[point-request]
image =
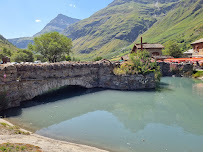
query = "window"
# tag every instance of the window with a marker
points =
(155, 54)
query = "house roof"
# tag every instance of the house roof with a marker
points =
(188, 51)
(198, 41)
(150, 46)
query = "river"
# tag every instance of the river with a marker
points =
(166, 119)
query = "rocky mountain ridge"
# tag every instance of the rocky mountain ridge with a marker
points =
(107, 32)
(58, 24)
(112, 31)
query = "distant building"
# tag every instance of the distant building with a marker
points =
(197, 48)
(153, 49)
(188, 53)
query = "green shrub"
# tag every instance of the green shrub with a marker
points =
(98, 58)
(23, 56)
(198, 74)
(139, 63)
(5, 52)
(68, 58)
(173, 49)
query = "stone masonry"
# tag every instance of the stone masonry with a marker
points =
(23, 82)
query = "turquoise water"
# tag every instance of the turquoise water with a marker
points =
(168, 119)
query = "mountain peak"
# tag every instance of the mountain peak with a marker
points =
(58, 24)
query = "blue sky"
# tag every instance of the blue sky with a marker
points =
(22, 18)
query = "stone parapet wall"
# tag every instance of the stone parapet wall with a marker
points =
(177, 69)
(26, 81)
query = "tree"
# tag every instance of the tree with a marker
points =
(5, 52)
(23, 56)
(52, 46)
(172, 48)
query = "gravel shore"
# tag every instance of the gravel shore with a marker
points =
(10, 135)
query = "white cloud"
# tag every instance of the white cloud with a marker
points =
(37, 21)
(72, 5)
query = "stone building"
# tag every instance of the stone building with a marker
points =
(153, 49)
(197, 48)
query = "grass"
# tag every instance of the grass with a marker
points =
(112, 31)
(109, 31)
(18, 147)
(198, 74)
(184, 24)
(6, 44)
(13, 129)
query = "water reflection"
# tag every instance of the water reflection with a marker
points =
(198, 89)
(171, 116)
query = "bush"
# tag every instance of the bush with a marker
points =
(68, 58)
(139, 63)
(5, 52)
(38, 57)
(198, 74)
(173, 49)
(98, 58)
(23, 56)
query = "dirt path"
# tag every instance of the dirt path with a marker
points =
(47, 144)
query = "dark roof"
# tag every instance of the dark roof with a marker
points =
(150, 46)
(198, 41)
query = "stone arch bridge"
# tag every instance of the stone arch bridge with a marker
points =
(23, 82)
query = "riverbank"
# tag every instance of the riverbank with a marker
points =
(13, 134)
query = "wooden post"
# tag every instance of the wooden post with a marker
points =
(141, 45)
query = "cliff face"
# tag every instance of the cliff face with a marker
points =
(26, 81)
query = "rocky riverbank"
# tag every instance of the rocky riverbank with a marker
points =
(12, 134)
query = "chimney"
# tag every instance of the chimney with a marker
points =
(141, 45)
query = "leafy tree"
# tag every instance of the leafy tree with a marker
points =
(39, 57)
(173, 49)
(5, 52)
(52, 46)
(23, 56)
(98, 58)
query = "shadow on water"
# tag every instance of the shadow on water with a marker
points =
(51, 96)
(178, 102)
(66, 93)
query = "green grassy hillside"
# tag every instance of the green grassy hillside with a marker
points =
(183, 24)
(4, 43)
(107, 32)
